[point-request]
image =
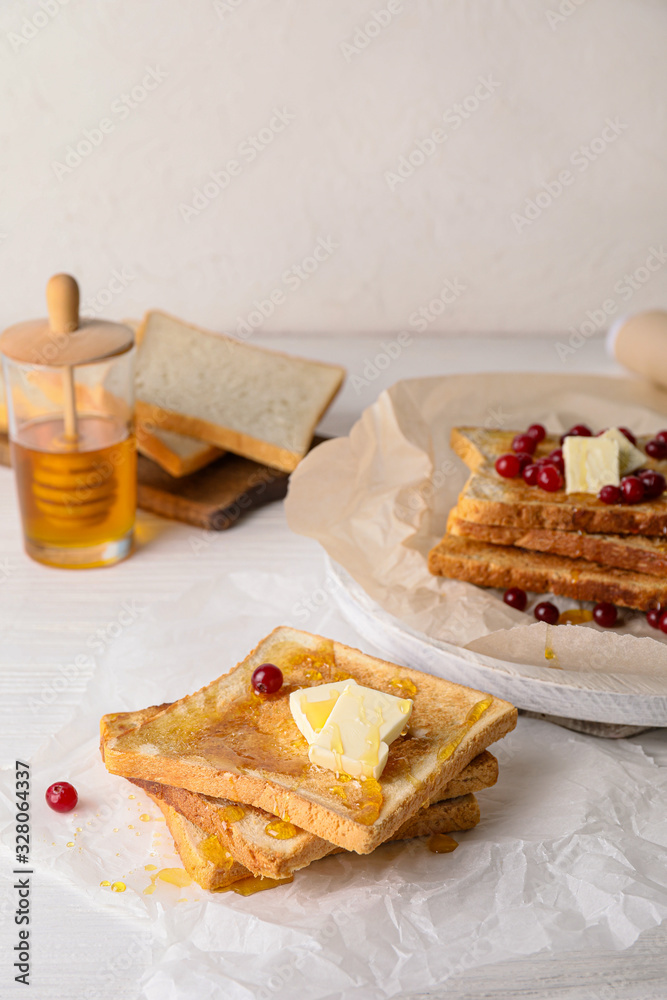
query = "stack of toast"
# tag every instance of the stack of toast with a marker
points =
(505, 533)
(230, 770)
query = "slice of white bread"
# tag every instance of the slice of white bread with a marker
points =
(207, 861)
(177, 454)
(257, 403)
(229, 743)
(244, 830)
(204, 858)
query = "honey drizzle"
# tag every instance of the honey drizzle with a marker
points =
(575, 616)
(473, 716)
(280, 829)
(254, 883)
(441, 843)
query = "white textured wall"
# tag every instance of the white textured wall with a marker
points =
(337, 119)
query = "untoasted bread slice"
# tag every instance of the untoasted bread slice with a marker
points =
(204, 858)
(243, 829)
(207, 861)
(644, 554)
(177, 454)
(257, 403)
(505, 566)
(226, 742)
(487, 498)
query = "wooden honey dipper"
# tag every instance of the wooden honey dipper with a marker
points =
(62, 303)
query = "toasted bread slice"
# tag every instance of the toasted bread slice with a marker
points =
(243, 829)
(487, 498)
(226, 742)
(207, 861)
(204, 858)
(644, 554)
(505, 566)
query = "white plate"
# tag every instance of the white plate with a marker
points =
(594, 697)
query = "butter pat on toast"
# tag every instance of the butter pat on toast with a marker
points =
(226, 742)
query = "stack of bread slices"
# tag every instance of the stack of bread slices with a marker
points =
(505, 533)
(230, 770)
(200, 395)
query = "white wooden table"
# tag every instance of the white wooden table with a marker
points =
(47, 616)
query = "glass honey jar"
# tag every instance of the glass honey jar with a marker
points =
(70, 408)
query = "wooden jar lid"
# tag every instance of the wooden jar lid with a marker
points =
(63, 340)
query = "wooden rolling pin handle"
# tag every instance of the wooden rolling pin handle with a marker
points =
(62, 301)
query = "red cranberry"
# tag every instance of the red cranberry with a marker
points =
(525, 443)
(549, 479)
(633, 489)
(661, 436)
(546, 612)
(610, 494)
(653, 617)
(62, 796)
(656, 449)
(524, 460)
(662, 621)
(579, 430)
(530, 474)
(537, 431)
(654, 484)
(605, 614)
(267, 679)
(508, 466)
(629, 435)
(516, 598)
(555, 457)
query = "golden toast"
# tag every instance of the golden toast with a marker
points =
(247, 833)
(637, 553)
(487, 498)
(226, 742)
(206, 860)
(489, 565)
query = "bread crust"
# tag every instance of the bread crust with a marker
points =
(488, 565)
(631, 552)
(278, 859)
(152, 447)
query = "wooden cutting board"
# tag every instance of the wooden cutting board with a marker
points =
(213, 498)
